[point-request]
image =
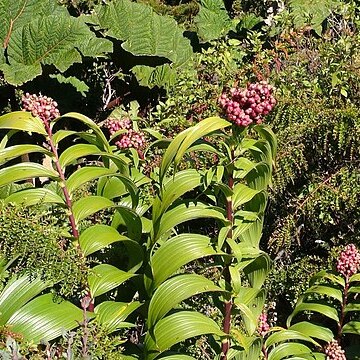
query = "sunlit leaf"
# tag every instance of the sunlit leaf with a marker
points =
(104, 278)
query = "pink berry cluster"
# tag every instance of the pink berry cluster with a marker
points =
(333, 351)
(264, 326)
(129, 139)
(349, 261)
(41, 106)
(250, 105)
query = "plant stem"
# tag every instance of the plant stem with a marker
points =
(342, 311)
(264, 351)
(74, 229)
(68, 201)
(225, 346)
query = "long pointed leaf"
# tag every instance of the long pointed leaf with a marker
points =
(313, 330)
(13, 152)
(34, 196)
(21, 120)
(173, 291)
(44, 319)
(90, 205)
(25, 171)
(177, 252)
(17, 293)
(176, 328)
(104, 278)
(111, 315)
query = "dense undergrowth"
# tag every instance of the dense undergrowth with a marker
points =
(159, 229)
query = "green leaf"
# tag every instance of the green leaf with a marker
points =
(259, 177)
(311, 12)
(18, 74)
(98, 237)
(174, 188)
(286, 335)
(89, 205)
(258, 270)
(23, 171)
(242, 194)
(325, 310)
(185, 139)
(17, 293)
(63, 134)
(251, 304)
(352, 327)
(150, 34)
(129, 218)
(355, 277)
(91, 125)
(80, 86)
(21, 120)
(76, 152)
(86, 174)
(44, 319)
(173, 291)
(323, 274)
(250, 320)
(283, 351)
(111, 315)
(12, 188)
(186, 212)
(328, 290)
(178, 357)
(313, 330)
(15, 14)
(254, 352)
(212, 20)
(34, 196)
(160, 76)
(15, 151)
(104, 278)
(49, 40)
(267, 134)
(248, 21)
(176, 328)
(352, 306)
(176, 252)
